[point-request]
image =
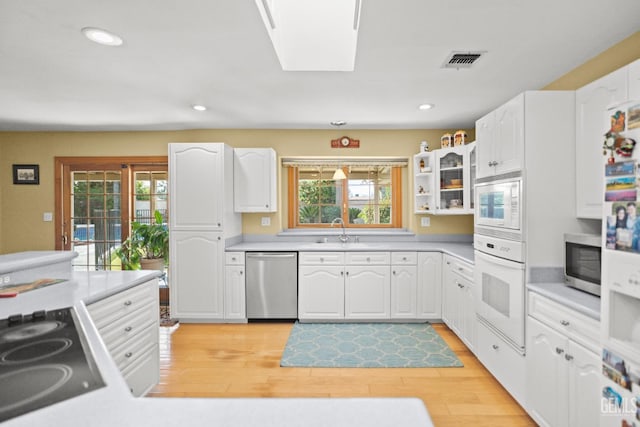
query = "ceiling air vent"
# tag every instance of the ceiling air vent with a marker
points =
(461, 59)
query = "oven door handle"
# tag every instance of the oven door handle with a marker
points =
(499, 261)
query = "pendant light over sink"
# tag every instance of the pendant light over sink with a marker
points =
(339, 175)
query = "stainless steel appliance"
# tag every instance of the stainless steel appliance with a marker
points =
(272, 285)
(43, 360)
(582, 262)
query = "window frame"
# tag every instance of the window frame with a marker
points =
(293, 202)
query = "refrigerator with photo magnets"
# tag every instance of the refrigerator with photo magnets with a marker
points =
(620, 325)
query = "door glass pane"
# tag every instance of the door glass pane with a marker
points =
(150, 194)
(95, 218)
(369, 195)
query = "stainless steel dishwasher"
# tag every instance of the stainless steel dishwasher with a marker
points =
(272, 285)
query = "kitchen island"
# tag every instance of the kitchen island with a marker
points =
(114, 405)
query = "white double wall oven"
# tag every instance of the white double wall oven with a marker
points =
(499, 257)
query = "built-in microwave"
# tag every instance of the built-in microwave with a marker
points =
(498, 208)
(583, 261)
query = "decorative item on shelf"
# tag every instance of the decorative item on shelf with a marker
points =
(455, 183)
(425, 207)
(455, 203)
(345, 142)
(424, 146)
(421, 189)
(446, 140)
(459, 138)
(421, 164)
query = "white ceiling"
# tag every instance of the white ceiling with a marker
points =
(217, 52)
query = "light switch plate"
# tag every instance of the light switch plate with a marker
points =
(266, 221)
(47, 216)
(425, 221)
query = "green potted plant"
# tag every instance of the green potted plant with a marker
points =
(148, 246)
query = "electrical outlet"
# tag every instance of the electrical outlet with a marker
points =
(266, 221)
(6, 280)
(425, 221)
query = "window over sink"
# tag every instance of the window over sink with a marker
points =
(370, 196)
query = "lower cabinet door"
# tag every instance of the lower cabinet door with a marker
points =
(320, 292)
(367, 292)
(546, 374)
(403, 292)
(144, 374)
(585, 385)
(234, 292)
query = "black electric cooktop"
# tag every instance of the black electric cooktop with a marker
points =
(44, 359)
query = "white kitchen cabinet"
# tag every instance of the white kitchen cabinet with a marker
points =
(367, 292)
(500, 136)
(320, 292)
(429, 287)
(563, 381)
(234, 287)
(458, 307)
(254, 183)
(404, 285)
(128, 323)
(202, 218)
(197, 277)
(634, 80)
(196, 181)
(563, 365)
(442, 181)
(592, 101)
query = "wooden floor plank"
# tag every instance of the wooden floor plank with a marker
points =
(243, 360)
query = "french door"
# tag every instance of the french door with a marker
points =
(98, 198)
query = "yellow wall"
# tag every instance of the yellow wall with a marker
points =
(22, 208)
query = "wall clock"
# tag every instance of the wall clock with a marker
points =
(345, 142)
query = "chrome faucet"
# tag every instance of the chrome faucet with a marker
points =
(343, 237)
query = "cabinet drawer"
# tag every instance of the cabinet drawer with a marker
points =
(321, 258)
(113, 308)
(234, 258)
(404, 258)
(573, 324)
(502, 360)
(114, 334)
(131, 350)
(459, 267)
(144, 373)
(368, 258)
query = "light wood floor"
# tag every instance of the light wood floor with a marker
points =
(226, 360)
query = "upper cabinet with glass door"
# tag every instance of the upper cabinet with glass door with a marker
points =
(443, 181)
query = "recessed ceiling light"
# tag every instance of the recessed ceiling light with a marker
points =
(338, 123)
(199, 107)
(425, 106)
(101, 36)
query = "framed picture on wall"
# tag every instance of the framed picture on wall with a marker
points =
(26, 174)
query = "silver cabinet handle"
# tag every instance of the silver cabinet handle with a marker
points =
(219, 224)
(559, 350)
(347, 273)
(368, 259)
(219, 238)
(241, 272)
(342, 273)
(495, 346)
(490, 164)
(564, 323)
(404, 258)
(128, 355)
(128, 329)
(394, 272)
(233, 258)
(266, 206)
(321, 259)
(568, 357)
(127, 303)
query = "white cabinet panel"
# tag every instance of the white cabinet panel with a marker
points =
(484, 137)
(196, 186)
(255, 188)
(197, 275)
(320, 292)
(633, 70)
(591, 125)
(429, 304)
(404, 291)
(234, 292)
(367, 292)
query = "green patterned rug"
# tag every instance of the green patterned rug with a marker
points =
(367, 345)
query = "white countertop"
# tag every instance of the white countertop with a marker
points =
(113, 405)
(463, 251)
(582, 302)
